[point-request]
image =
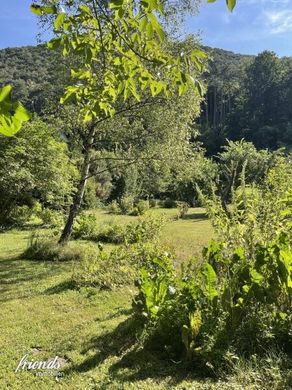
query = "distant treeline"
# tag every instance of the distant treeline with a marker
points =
(247, 97)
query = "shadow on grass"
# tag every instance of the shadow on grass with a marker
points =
(196, 216)
(108, 344)
(135, 363)
(61, 287)
(15, 274)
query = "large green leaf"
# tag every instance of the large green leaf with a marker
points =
(12, 114)
(210, 281)
(230, 3)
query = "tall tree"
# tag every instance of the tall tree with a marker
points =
(124, 57)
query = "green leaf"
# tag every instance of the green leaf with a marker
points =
(210, 281)
(41, 10)
(231, 4)
(255, 276)
(116, 4)
(54, 43)
(12, 115)
(59, 21)
(5, 93)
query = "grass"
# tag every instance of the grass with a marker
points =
(90, 331)
(186, 237)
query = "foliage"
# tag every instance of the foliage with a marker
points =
(91, 200)
(168, 203)
(86, 227)
(197, 172)
(126, 204)
(146, 228)
(115, 36)
(20, 215)
(37, 152)
(255, 213)
(114, 208)
(141, 207)
(113, 269)
(12, 115)
(45, 248)
(230, 3)
(50, 218)
(225, 307)
(183, 208)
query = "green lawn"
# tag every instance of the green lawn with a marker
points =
(186, 237)
(42, 316)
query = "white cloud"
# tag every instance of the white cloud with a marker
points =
(278, 21)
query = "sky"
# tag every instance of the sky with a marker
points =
(254, 25)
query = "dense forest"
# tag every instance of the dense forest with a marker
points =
(246, 98)
(246, 95)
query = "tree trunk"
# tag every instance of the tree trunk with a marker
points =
(215, 109)
(78, 197)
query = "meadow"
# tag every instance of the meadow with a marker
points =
(43, 316)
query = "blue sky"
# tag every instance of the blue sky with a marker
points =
(18, 25)
(255, 25)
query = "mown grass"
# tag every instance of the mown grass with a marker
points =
(42, 315)
(186, 237)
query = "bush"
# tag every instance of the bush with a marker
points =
(114, 208)
(126, 204)
(255, 214)
(113, 233)
(183, 208)
(227, 306)
(141, 207)
(86, 227)
(46, 248)
(51, 218)
(145, 229)
(153, 203)
(117, 268)
(20, 215)
(169, 203)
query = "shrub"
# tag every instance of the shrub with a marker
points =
(147, 228)
(141, 207)
(46, 248)
(114, 269)
(255, 214)
(183, 208)
(169, 203)
(229, 305)
(113, 233)
(86, 227)
(20, 215)
(51, 218)
(153, 203)
(126, 204)
(114, 208)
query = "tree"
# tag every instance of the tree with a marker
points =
(124, 58)
(260, 107)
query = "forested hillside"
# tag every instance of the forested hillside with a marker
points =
(35, 73)
(246, 96)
